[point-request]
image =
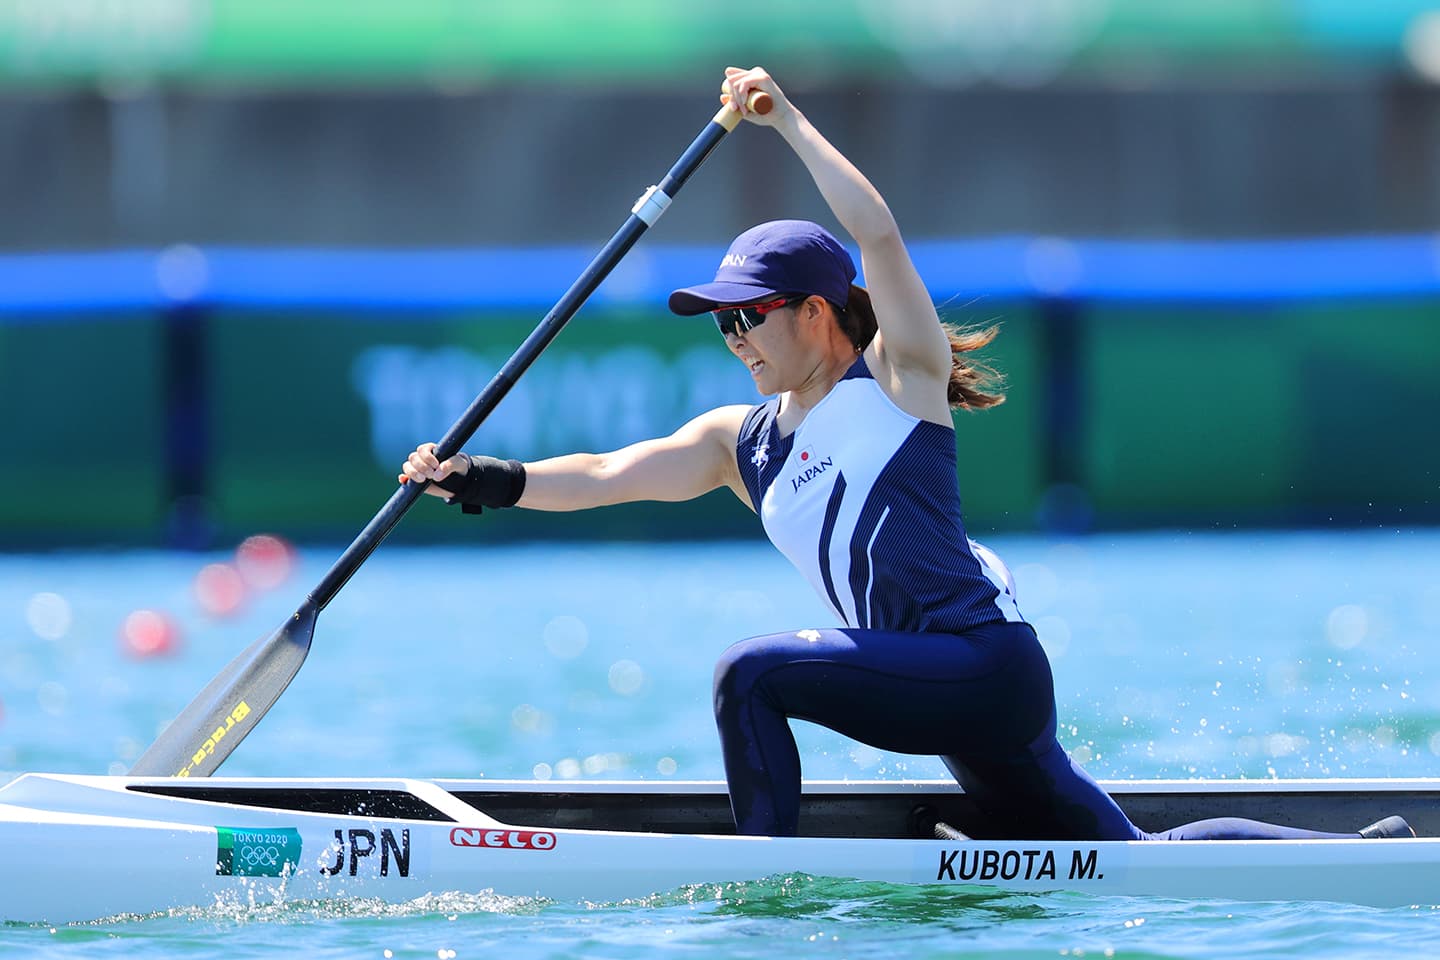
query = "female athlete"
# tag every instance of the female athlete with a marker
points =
(851, 467)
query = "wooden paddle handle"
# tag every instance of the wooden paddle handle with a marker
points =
(729, 118)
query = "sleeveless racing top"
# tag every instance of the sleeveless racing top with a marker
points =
(862, 498)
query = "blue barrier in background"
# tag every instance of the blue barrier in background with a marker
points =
(1061, 279)
(1004, 267)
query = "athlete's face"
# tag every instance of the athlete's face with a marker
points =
(762, 336)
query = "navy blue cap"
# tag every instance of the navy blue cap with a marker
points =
(779, 257)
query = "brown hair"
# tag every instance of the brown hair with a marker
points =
(974, 384)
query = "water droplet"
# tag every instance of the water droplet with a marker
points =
(626, 677)
(1346, 626)
(528, 719)
(566, 637)
(49, 615)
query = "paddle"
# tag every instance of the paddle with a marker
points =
(212, 726)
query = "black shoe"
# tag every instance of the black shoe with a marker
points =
(1391, 828)
(926, 824)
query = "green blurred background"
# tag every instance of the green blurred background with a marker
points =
(252, 252)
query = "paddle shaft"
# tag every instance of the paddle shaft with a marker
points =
(641, 219)
(212, 726)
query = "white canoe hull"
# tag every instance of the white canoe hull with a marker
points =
(82, 848)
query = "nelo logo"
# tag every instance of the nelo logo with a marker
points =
(508, 839)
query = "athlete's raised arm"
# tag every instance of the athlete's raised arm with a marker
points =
(910, 338)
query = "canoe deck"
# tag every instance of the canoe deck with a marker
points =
(867, 810)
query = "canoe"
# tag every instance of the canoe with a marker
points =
(81, 848)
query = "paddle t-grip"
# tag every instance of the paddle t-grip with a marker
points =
(759, 102)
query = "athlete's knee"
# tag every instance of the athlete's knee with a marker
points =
(734, 672)
(741, 668)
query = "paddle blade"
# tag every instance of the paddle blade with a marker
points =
(212, 726)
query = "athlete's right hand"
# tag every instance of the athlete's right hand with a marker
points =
(741, 83)
(423, 465)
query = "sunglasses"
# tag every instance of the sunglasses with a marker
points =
(737, 320)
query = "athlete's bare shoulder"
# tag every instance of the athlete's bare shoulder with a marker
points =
(718, 431)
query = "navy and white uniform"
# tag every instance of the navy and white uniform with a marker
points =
(862, 499)
(934, 657)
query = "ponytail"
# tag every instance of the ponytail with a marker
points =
(974, 384)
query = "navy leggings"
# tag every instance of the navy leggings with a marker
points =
(984, 702)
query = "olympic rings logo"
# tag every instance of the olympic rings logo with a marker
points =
(260, 856)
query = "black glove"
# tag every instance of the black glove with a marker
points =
(487, 483)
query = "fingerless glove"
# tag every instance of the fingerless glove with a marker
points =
(487, 483)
